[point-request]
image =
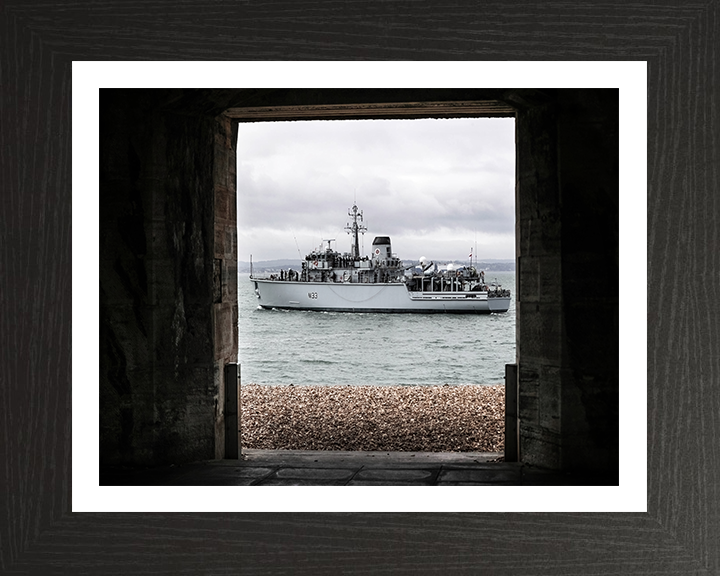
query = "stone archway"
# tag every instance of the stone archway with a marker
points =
(168, 259)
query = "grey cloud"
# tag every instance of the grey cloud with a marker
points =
(454, 178)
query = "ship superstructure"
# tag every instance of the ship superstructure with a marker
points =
(379, 282)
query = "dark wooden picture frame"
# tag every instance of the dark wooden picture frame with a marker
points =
(38, 532)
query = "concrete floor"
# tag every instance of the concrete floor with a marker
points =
(324, 468)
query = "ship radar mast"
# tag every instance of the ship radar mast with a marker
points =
(357, 216)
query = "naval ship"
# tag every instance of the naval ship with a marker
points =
(348, 282)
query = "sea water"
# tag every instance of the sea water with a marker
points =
(281, 347)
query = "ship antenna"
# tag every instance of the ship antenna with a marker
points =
(297, 246)
(353, 229)
(363, 229)
(476, 248)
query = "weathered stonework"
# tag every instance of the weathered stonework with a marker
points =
(160, 389)
(225, 309)
(567, 332)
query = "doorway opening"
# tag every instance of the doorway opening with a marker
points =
(443, 191)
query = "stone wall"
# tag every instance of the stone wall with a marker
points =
(225, 275)
(588, 166)
(160, 359)
(567, 331)
(539, 303)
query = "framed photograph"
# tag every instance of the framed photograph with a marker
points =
(50, 368)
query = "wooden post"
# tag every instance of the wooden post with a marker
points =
(512, 438)
(232, 411)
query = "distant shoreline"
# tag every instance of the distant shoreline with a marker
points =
(489, 265)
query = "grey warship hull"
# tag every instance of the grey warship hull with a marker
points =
(381, 297)
(331, 281)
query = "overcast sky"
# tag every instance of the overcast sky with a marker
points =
(436, 187)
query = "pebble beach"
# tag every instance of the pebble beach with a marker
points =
(445, 418)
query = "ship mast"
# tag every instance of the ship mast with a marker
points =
(353, 229)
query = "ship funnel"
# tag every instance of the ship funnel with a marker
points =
(381, 248)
